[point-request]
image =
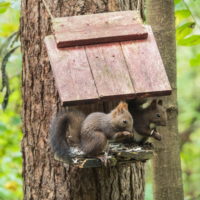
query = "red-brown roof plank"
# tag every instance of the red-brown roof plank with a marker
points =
(146, 67)
(98, 28)
(109, 70)
(72, 73)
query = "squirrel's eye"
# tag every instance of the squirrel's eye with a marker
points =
(125, 121)
(158, 115)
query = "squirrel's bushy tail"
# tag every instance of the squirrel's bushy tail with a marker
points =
(59, 130)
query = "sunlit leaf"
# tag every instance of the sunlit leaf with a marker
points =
(195, 61)
(177, 1)
(11, 185)
(190, 41)
(182, 14)
(184, 30)
(7, 29)
(4, 6)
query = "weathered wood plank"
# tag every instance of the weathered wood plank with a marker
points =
(109, 70)
(98, 28)
(146, 67)
(72, 73)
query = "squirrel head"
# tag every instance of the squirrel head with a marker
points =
(121, 118)
(157, 113)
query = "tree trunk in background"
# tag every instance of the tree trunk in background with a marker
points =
(44, 177)
(166, 163)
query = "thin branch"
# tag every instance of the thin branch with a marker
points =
(5, 81)
(191, 14)
(48, 9)
(8, 42)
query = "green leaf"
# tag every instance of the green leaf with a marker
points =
(177, 1)
(195, 61)
(190, 41)
(2, 127)
(7, 28)
(184, 30)
(4, 6)
(182, 14)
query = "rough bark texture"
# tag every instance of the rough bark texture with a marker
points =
(166, 163)
(44, 177)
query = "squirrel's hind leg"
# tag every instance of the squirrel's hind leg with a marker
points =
(94, 144)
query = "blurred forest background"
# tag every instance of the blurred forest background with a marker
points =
(187, 14)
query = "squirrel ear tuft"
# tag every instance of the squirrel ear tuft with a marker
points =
(153, 104)
(120, 108)
(160, 102)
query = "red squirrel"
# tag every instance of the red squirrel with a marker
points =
(89, 133)
(147, 119)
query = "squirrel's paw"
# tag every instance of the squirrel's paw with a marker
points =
(122, 134)
(126, 133)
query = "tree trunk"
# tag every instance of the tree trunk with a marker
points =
(166, 163)
(44, 177)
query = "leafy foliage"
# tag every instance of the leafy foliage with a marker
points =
(187, 23)
(184, 30)
(4, 6)
(10, 120)
(188, 65)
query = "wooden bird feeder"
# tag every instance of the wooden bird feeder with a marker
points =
(105, 56)
(102, 57)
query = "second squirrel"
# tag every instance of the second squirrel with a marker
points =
(147, 119)
(89, 133)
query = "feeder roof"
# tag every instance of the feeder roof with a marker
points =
(113, 70)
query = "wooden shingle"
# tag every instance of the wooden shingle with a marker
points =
(98, 28)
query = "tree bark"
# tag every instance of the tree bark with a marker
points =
(166, 163)
(44, 177)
